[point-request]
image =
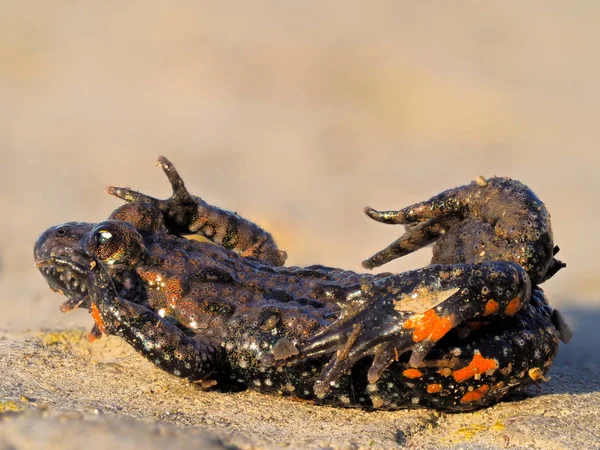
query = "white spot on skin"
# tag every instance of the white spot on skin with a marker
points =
(268, 382)
(353, 295)
(161, 312)
(372, 388)
(344, 399)
(256, 383)
(193, 324)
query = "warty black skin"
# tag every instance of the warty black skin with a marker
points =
(457, 335)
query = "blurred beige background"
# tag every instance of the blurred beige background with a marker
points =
(297, 115)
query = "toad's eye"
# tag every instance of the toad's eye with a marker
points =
(107, 245)
(115, 242)
(103, 236)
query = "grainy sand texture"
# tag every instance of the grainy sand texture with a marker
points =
(296, 115)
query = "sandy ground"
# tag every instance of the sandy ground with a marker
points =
(109, 395)
(296, 115)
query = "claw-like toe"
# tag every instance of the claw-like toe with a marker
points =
(417, 236)
(390, 217)
(180, 192)
(129, 195)
(385, 354)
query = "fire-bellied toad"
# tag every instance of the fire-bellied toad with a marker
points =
(456, 335)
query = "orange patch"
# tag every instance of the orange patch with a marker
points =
(491, 307)
(173, 290)
(412, 373)
(445, 372)
(475, 395)
(434, 388)
(429, 326)
(478, 365)
(148, 276)
(513, 306)
(97, 317)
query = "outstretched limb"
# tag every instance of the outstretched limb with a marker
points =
(412, 312)
(186, 213)
(493, 219)
(416, 237)
(160, 341)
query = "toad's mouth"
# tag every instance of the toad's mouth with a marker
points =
(68, 278)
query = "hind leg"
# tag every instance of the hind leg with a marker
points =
(494, 219)
(412, 312)
(425, 221)
(487, 364)
(185, 213)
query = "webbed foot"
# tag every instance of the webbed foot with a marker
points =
(412, 312)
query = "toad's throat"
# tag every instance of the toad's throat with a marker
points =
(63, 279)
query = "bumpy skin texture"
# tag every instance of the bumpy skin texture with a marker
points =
(456, 335)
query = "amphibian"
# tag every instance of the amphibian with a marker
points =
(456, 335)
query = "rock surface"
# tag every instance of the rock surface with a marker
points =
(58, 390)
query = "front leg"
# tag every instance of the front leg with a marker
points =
(158, 340)
(185, 213)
